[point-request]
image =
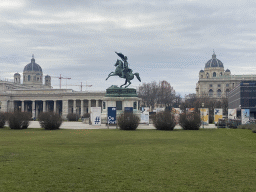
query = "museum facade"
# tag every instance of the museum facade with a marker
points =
(215, 82)
(34, 96)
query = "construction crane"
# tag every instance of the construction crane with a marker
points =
(60, 77)
(81, 86)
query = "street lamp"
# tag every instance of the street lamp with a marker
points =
(203, 114)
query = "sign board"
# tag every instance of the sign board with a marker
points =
(111, 115)
(144, 118)
(245, 113)
(159, 110)
(204, 113)
(128, 109)
(96, 115)
(176, 110)
(231, 113)
(218, 114)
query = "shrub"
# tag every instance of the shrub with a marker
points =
(19, 120)
(247, 126)
(254, 129)
(164, 121)
(50, 120)
(2, 119)
(191, 121)
(86, 115)
(128, 121)
(72, 117)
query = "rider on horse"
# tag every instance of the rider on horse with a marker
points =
(125, 64)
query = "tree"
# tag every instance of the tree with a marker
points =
(153, 93)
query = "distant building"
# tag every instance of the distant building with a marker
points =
(216, 82)
(35, 97)
(243, 96)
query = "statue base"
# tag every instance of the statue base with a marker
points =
(115, 91)
(120, 98)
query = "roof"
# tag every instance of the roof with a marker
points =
(214, 62)
(33, 66)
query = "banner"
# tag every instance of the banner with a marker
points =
(204, 113)
(245, 113)
(176, 110)
(231, 113)
(218, 114)
(111, 115)
(144, 118)
(128, 110)
(159, 110)
(96, 115)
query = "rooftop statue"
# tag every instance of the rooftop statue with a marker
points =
(123, 71)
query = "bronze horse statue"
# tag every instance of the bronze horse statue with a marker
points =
(123, 72)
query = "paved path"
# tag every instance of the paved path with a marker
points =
(80, 125)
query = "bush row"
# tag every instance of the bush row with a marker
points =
(161, 121)
(20, 120)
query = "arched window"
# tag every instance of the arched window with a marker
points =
(210, 93)
(202, 76)
(218, 93)
(207, 75)
(28, 77)
(220, 73)
(214, 74)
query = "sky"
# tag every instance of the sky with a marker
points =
(163, 40)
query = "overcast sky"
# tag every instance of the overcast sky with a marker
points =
(163, 40)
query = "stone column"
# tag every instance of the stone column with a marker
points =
(97, 103)
(54, 106)
(11, 106)
(22, 106)
(64, 108)
(89, 106)
(44, 106)
(4, 106)
(74, 106)
(33, 109)
(82, 107)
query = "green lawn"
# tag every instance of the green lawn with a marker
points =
(114, 160)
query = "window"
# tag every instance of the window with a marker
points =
(207, 75)
(210, 85)
(219, 85)
(28, 77)
(135, 105)
(202, 76)
(219, 93)
(210, 93)
(214, 74)
(119, 105)
(227, 85)
(37, 78)
(104, 105)
(220, 73)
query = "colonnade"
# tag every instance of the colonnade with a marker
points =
(62, 107)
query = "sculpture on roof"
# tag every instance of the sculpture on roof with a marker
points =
(123, 71)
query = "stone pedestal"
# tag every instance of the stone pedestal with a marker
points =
(120, 98)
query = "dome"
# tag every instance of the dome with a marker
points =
(201, 71)
(214, 62)
(32, 66)
(227, 70)
(16, 74)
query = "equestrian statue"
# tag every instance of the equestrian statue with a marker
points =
(123, 71)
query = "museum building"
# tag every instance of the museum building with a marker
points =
(215, 82)
(35, 97)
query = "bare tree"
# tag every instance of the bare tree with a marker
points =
(153, 93)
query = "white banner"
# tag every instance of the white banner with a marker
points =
(245, 116)
(231, 113)
(144, 118)
(96, 115)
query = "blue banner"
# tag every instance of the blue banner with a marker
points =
(128, 109)
(111, 115)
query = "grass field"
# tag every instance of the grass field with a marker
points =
(114, 160)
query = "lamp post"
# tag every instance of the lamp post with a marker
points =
(203, 114)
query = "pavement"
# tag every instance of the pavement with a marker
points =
(80, 125)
